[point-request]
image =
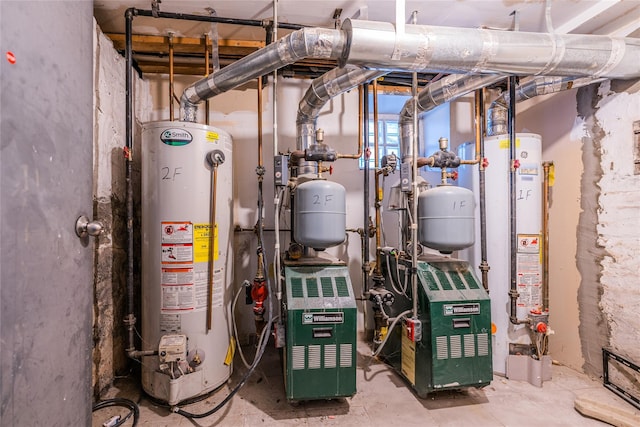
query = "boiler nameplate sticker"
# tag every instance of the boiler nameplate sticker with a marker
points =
(322, 318)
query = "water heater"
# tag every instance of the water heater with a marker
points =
(528, 228)
(193, 355)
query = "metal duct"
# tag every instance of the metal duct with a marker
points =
(542, 85)
(318, 43)
(322, 89)
(454, 50)
(444, 90)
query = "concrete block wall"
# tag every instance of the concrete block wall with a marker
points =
(109, 206)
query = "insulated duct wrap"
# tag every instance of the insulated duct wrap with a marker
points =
(444, 90)
(318, 43)
(322, 89)
(454, 50)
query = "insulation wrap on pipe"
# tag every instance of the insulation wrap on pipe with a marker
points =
(454, 50)
(318, 43)
(444, 90)
(322, 89)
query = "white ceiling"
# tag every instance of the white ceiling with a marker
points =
(614, 17)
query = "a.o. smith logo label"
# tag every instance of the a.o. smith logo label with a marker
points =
(176, 137)
(453, 309)
(322, 318)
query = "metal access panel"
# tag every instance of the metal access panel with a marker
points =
(320, 353)
(455, 315)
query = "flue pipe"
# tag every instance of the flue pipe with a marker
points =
(541, 85)
(318, 43)
(444, 90)
(322, 89)
(477, 50)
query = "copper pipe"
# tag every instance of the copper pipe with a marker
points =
(212, 241)
(545, 236)
(206, 73)
(378, 198)
(260, 121)
(359, 153)
(171, 89)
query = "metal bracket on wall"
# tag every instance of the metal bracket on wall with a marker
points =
(607, 356)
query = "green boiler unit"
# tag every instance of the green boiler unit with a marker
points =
(320, 353)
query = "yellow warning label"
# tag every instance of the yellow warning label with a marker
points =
(212, 136)
(552, 175)
(504, 143)
(201, 239)
(408, 359)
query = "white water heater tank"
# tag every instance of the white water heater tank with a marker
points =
(528, 187)
(176, 249)
(446, 218)
(320, 214)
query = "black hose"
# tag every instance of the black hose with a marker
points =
(134, 410)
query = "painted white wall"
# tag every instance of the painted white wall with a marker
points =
(554, 118)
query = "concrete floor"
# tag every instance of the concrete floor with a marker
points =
(383, 399)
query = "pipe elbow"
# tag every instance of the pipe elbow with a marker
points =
(188, 110)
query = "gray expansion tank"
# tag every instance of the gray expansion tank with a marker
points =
(446, 218)
(320, 214)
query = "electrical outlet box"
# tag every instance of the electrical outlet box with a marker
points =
(281, 170)
(405, 177)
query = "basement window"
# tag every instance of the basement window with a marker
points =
(388, 140)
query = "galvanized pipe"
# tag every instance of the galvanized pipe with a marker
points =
(319, 43)
(425, 48)
(541, 85)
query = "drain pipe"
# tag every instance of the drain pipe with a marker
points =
(319, 43)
